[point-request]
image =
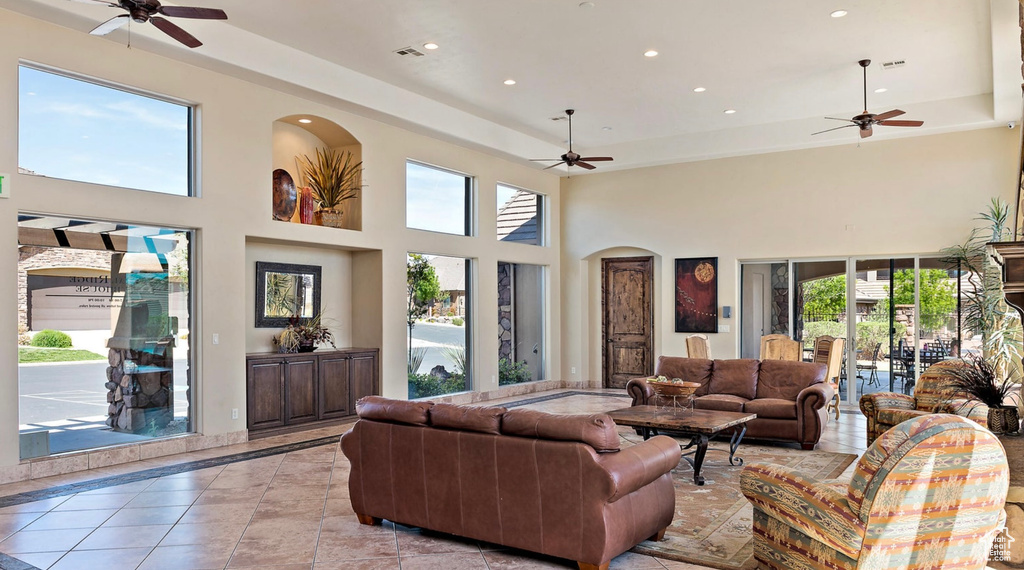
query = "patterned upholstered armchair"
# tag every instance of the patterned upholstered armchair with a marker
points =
(932, 395)
(929, 493)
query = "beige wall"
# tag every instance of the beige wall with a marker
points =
(234, 213)
(875, 197)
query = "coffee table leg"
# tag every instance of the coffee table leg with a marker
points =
(734, 443)
(698, 458)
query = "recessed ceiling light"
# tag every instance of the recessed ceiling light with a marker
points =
(838, 13)
(509, 82)
(881, 90)
(305, 121)
(699, 89)
(586, 4)
(430, 45)
(729, 111)
(651, 53)
(606, 128)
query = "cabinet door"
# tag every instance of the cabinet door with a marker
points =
(300, 390)
(334, 387)
(264, 394)
(363, 374)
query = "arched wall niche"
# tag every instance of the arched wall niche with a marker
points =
(293, 139)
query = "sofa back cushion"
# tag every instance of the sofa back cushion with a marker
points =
(736, 377)
(689, 369)
(784, 379)
(468, 418)
(596, 430)
(395, 411)
(933, 389)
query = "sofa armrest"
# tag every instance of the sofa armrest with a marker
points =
(812, 507)
(816, 396)
(640, 391)
(871, 403)
(970, 409)
(633, 467)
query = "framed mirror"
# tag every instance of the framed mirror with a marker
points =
(285, 290)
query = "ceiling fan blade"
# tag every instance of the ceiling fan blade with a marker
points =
(94, 2)
(596, 158)
(832, 129)
(901, 123)
(838, 119)
(545, 159)
(190, 12)
(554, 165)
(110, 25)
(887, 115)
(585, 165)
(866, 132)
(172, 29)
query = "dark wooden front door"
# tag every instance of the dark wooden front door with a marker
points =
(627, 323)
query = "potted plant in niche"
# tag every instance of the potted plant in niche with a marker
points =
(304, 335)
(334, 176)
(977, 382)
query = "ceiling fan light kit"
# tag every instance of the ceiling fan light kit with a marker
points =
(142, 11)
(865, 121)
(571, 158)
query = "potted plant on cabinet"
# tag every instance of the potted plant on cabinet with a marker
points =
(304, 335)
(334, 176)
(977, 381)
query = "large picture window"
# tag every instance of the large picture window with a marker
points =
(438, 322)
(85, 131)
(437, 200)
(520, 323)
(520, 216)
(104, 314)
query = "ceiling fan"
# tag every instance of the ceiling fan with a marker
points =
(142, 11)
(867, 120)
(571, 158)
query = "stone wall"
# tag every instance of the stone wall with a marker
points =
(32, 257)
(505, 311)
(780, 298)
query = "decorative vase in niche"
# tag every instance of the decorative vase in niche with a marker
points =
(284, 195)
(329, 217)
(306, 206)
(1003, 420)
(306, 346)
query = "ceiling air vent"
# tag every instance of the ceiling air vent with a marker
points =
(409, 51)
(894, 64)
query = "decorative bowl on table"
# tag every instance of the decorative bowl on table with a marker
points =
(672, 388)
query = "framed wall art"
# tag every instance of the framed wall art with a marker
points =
(697, 294)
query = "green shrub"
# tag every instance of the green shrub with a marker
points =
(425, 385)
(512, 372)
(868, 334)
(457, 321)
(814, 329)
(50, 338)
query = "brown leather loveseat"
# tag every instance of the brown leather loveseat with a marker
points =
(789, 398)
(555, 484)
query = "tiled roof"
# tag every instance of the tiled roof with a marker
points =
(517, 219)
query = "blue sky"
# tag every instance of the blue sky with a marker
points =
(435, 199)
(77, 130)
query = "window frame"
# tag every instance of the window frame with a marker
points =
(192, 123)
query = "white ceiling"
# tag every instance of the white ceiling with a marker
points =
(782, 65)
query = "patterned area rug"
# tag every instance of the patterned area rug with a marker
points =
(712, 525)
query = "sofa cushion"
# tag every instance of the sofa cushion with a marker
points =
(775, 408)
(894, 416)
(720, 402)
(398, 411)
(596, 430)
(469, 418)
(783, 379)
(736, 377)
(689, 369)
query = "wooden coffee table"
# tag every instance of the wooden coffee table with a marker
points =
(698, 425)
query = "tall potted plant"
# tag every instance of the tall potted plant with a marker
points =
(334, 176)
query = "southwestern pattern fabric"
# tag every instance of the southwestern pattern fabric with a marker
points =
(932, 395)
(928, 494)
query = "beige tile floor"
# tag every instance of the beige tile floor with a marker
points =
(286, 511)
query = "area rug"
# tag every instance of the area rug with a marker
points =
(712, 524)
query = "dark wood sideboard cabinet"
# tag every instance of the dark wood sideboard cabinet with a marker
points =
(288, 392)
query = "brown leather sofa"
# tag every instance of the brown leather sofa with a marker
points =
(554, 484)
(789, 398)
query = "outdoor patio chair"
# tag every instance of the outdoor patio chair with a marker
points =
(698, 346)
(872, 368)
